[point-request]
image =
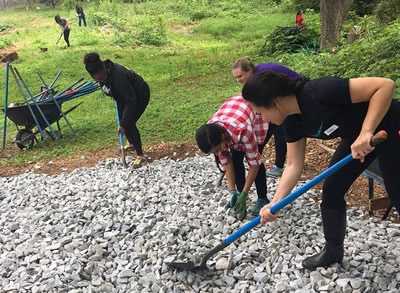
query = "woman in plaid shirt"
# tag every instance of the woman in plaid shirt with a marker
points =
(235, 131)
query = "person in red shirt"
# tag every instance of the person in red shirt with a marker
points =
(300, 19)
(233, 133)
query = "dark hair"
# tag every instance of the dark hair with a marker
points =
(209, 136)
(299, 12)
(57, 18)
(93, 63)
(263, 89)
(244, 64)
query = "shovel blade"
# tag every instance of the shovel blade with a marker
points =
(185, 266)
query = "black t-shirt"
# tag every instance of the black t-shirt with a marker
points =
(79, 10)
(326, 111)
(124, 85)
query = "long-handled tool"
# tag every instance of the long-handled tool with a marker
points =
(192, 266)
(120, 137)
(59, 38)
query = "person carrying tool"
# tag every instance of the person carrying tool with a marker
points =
(235, 132)
(242, 70)
(353, 109)
(65, 29)
(80, 14)
(130, 91)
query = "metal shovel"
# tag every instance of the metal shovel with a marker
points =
(193, 266)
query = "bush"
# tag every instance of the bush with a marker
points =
(5, 42)
(306, 4)
(103, 19)
(388, 10)
(196, 15)
(376, 55)
(364, 7)
(4, 27)
(100, 18)
(153, 33)
(69, 4)
(291, 39)
(123, 39)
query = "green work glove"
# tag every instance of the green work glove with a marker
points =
(232, 201)
(240, 206)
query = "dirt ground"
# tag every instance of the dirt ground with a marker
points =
(8, 54)
(317, 158)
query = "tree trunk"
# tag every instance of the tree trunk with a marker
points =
(332, 16)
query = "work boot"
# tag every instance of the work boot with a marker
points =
(261, 201)
(334, 224)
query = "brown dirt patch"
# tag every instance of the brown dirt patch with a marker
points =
(8, 54)
(89, 159)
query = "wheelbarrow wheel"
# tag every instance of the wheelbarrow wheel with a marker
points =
(25, 139)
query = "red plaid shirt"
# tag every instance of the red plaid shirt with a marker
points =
(246, 128)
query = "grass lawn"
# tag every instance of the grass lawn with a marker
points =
(189, 75)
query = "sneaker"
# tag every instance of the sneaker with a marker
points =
(255, 210)
(274, 172)
(137, 162)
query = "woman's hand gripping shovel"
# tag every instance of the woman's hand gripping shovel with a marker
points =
(121, 138)
(192, 266)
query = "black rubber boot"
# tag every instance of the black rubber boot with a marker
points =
(334, 223)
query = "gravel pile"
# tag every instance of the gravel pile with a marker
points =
(105, 229)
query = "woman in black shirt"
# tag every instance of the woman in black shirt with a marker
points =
(128, 89)
(352, 109)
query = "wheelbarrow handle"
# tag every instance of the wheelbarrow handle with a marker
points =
(378, 138)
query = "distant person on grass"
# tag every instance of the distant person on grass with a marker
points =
(242, 70)
(300, 19)
(81, 14)
(65, 29)
(128, 89)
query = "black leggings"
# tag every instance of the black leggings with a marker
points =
(280, 144)
(388, 154)
(82, 18)
(66, 36)
(129, 116)
(240, 173)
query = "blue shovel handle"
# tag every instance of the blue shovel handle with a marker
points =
(289, 199)
(117, 120)
(121, 137)
(378, 138)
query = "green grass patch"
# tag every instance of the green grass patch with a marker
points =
(183, 48)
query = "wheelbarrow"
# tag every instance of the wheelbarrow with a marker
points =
(25, 115)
